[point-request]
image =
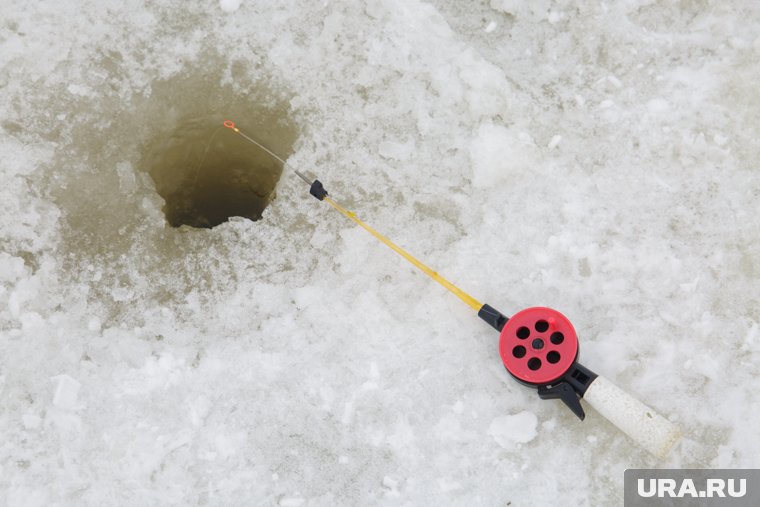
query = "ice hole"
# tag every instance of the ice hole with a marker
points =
(207, 173)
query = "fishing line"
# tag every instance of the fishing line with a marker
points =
(205, 154)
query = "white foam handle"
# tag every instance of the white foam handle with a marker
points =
(648, 428)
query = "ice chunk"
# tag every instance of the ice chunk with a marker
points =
(495, 151)
(509, 430)
(31, 421)
(614, 81)
(120, 294)
(396, 150)
(720, 139)
(554, 16)
(447, 484)
(31, 320)
(66, 392)
(506, 6)
(94, 324)
(657, 105)
(229, 5)
(127, 179)
(11, 268)
(390, 484)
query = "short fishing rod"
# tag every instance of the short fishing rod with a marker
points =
(538, 346)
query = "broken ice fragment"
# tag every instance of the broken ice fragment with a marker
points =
(66, 392)
(508, 430)
(229, 5)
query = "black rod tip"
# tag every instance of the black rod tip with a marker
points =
(318, 190)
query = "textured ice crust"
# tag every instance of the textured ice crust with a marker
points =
(597, 157)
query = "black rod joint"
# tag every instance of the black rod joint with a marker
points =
(493, 317)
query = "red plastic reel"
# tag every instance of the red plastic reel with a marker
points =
(538, 345)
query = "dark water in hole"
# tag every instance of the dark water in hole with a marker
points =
(207, 173)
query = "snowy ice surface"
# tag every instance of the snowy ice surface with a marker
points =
(597, 157)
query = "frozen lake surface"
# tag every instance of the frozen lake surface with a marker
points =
(600, 158)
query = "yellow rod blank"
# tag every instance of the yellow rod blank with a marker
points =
(471, 301)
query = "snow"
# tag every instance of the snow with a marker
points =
(599, 158)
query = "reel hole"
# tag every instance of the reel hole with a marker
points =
(557, 338)
(541, 326)
(518, 351)
(523, 332)
(553, 357)
(534, 363)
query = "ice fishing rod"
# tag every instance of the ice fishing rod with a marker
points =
(539, 348)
